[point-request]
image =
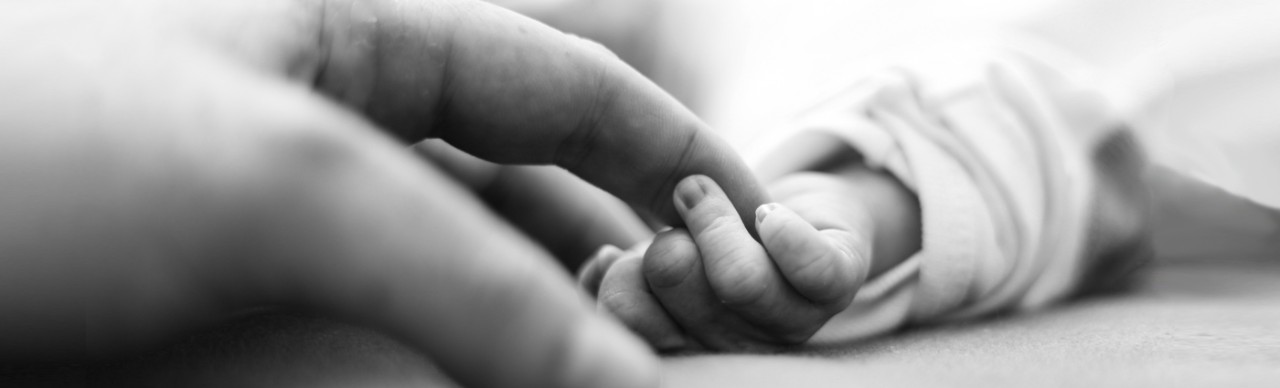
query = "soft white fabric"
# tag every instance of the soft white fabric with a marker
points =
(1198, 79)
(996, 150)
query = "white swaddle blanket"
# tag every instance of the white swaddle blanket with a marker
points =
(998, 152)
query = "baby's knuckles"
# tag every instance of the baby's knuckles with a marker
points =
(667, 262)
(623, 304)
(743, 283)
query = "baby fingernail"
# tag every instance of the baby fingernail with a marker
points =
(605, 251)
(670, 343)
(690, 191)
(764, 210)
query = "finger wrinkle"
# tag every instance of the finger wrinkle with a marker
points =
(669, 264)
(621, 302)
(721, 225)
(575, 148)
(662, 197)
(348, 45)
(821, 280)
(845, 240)
(740, 284)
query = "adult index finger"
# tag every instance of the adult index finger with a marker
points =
(512, 90)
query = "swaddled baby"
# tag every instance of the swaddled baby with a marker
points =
(922, 195)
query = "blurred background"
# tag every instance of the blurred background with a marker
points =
(1199, 79)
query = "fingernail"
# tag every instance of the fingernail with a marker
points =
(641, 246)
(604, 252)
(589, 278)
(690, 191)
(764, 210)
(672, 342)
(604, 355)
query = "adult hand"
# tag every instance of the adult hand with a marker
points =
(569, 217)
(166, 164)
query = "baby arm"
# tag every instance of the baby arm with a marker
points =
(713, 286)
(1027, 185)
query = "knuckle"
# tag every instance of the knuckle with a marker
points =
(289, 174)
(265, 170)
(855, 247)
(297, 172)
(618, 302)
(783, 238)
(304, 150)
(669, 262)
(741, 285)
(816, 266)
(818, 274)
(722, 226)
(599, 93)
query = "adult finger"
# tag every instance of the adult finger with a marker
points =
(159, 181)
(512, 90)
(566, 215)
(347, 223)
(569, 217)
(396, 245)
(740, 271)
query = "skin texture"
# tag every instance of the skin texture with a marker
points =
(168, 164)
(568, 217)
(711, 287)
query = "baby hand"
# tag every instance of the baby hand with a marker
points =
(714, 286)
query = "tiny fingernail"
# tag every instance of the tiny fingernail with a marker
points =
(764, 210)
(589, 278)
(672, 342)
(605, 251)
(690, 191)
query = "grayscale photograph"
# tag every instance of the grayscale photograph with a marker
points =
(639, 193)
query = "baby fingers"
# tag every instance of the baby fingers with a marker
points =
(593, 270)
(826, 267)
(624, 294)
(738, 270)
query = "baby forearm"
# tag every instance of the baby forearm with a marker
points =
(890, 210)
(893, 210)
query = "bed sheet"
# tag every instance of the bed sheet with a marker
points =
(1190, 324)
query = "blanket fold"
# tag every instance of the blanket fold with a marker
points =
(999, 154)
